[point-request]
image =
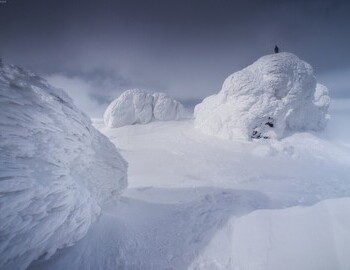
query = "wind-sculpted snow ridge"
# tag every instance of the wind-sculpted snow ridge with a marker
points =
(137, 106)
(274, 96)
(56, 169)
(317, 236)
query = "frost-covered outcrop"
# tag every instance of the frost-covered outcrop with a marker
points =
(166, 108)
(56, 169)
(137, 106)
(275, 95)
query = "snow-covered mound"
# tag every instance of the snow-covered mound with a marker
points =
(56, 169)
(166, 108)
(137, 106)
(274, 96)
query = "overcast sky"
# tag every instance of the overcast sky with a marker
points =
(96, 49)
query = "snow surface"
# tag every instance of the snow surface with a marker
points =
(271, 98)
(315, 237)
(56, 169)
(199, 202)
(137, 106)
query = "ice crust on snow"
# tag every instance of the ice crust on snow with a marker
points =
(274, 96)
(56, 169)
(137, 106)
(206, 203)
(317, 236)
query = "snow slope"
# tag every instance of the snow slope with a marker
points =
(199, 202)
(314, 237)
(137, 106)
(271, 98)
(56, 169)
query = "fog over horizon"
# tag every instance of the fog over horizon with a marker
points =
(96, 49)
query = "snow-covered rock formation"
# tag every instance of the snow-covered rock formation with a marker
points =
(137, 106)
(275, 95)
(56, 169)
(166, 108)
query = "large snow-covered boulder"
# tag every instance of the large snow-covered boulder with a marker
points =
(137, 106)
(131, 107)
(274, 96)
(56, 169)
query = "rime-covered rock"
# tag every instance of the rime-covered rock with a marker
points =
(274, 96)
(131, 107)
(166, 108)
(137, 106)
(56, 169)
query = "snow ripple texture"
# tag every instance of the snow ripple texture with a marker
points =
(271, 98)
(137, 106)
(56, 169)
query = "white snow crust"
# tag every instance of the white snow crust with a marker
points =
(276, 95)
(315, 237)
(137, 106)
(199, 202)
(56, 169)
(193, 201)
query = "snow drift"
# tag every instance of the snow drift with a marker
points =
(136, 106)
(274, 96)
(56, 169)
(315, 237)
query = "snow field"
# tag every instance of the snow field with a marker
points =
(199, 202)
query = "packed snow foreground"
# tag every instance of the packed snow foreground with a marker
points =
(137, 106)
(193, 201)
(276, 95)
(56, 169)
(197, 202)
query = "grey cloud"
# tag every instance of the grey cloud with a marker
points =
(185, 48)
(338, 83)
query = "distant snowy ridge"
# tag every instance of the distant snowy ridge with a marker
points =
(274, 96)
(56, 169)
(137, 106)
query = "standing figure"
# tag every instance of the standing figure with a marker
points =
(277, 50)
